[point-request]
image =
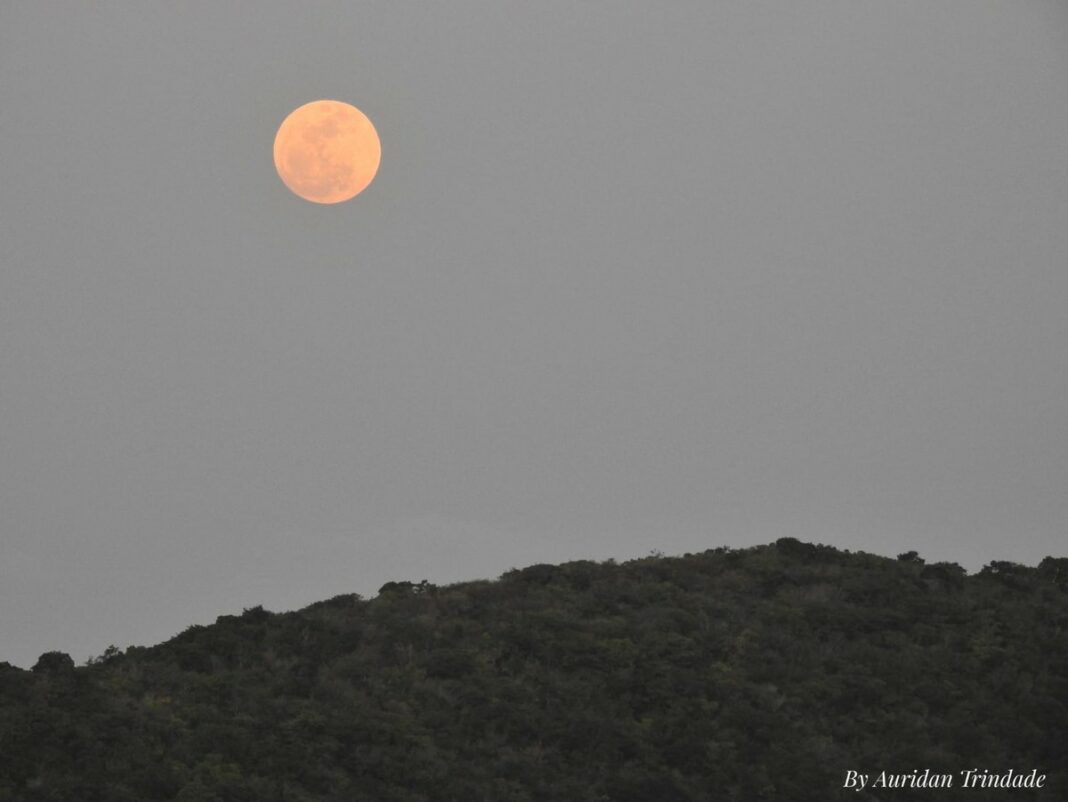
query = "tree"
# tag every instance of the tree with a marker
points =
(56, 663)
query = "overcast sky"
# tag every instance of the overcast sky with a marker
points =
(632, 276)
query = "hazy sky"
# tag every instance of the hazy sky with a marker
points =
(632, 276)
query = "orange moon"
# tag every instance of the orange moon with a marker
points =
(327, 151)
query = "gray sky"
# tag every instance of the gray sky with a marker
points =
(632, 276)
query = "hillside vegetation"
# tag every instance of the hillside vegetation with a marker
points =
(753, 674)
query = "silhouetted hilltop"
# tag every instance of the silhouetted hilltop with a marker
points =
(763, 673)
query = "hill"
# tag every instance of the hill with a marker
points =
(764, 673)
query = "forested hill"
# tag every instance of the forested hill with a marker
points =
(754, 674)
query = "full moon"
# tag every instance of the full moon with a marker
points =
(327, 151)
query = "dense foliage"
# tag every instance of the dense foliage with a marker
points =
(753, 674)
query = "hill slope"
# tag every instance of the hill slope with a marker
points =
(763, 673)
